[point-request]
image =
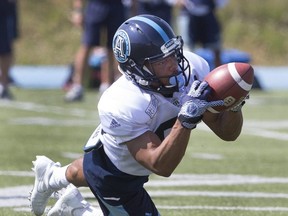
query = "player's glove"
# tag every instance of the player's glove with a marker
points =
(195, 104)
(239, 105)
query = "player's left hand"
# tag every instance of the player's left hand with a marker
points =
(239, 105)
(195, 104)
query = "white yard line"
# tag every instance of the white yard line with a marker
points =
(264, 129)
(258, 128)
(44, 121)
(190, 179)
(41, 108)
(17, 196)
(226, 208)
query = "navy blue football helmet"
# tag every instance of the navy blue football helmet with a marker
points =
(148, 38)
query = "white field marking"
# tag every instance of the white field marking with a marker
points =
(260, 128)
(255, 128)
(50, 122)
(190, 193)
(212, 180)
(17, 196)
(173, 193)
(207, 156)
(190, 179)
(29, 106)
(267, 134)
(71, 155)
(226, 208)
(219, 208)
(16, 173)
(283, 124)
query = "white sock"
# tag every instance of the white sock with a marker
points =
(58, 178)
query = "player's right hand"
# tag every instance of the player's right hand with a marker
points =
(195, 104)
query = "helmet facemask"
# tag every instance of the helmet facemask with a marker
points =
(147, 79)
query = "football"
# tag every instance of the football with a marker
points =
(230, 82)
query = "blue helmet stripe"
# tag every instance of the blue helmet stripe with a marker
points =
(153, 25)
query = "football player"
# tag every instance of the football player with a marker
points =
(147, 118)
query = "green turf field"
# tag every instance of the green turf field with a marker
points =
(247, 177)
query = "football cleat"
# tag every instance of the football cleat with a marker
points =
(5, 93)
(43, 168)
(71, 203)
(74, 94)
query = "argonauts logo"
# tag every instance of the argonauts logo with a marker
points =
(121, 46)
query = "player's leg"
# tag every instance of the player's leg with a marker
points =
(90, 39)
(118, 193)
(138, 203)
(6, 56)
(72, 203)
(51, 177)
(76, 92)
(212, 37)
(109, 70)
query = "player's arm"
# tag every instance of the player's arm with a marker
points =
(160, 157)
(226, 125)
(163, 157)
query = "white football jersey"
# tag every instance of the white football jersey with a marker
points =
(127, 111)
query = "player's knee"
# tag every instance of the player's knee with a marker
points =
(72, 173)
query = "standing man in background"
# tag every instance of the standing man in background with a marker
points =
(8, 34)
(204, 27)
(160, 8)
(95, 16)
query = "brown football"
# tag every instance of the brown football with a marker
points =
(230, 82)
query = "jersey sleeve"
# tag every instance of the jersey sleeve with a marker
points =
(125, 118)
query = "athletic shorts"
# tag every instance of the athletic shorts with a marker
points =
(205, 30)
(101, 15)
(8, 30)
(162, 10)
(118, 193)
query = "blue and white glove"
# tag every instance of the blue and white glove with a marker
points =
(195, 104)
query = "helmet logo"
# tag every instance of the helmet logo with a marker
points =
(121, 46)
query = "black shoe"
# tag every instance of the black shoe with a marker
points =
(5, 94)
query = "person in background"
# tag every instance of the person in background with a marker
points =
(147, 118)
(95, 16)
(203, 26)
(160, 8)
(8, 35)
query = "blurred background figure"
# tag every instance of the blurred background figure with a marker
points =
(8, 34)
(100, 20)
(160, 8)
(203, 28)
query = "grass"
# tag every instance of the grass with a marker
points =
(40, 123)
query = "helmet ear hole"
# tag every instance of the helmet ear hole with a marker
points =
(139, 30)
